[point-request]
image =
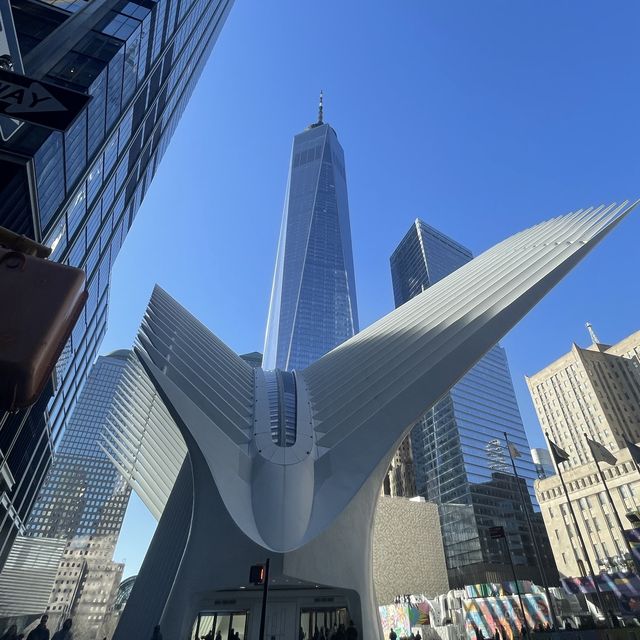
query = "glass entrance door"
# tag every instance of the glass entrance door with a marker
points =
(224, 626)
(321, 624)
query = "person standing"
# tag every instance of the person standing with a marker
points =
(40, 632)
(157, 634)
(65, 632)
(393, 635)
(352, 632)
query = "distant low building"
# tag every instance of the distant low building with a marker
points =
(112, 617)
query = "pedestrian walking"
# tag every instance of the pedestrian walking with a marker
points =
(65, 632)
(40, 632)
(393, 635)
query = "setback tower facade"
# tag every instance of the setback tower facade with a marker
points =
(83, 501)
(460, 456)
(78, 191)
(313, 300)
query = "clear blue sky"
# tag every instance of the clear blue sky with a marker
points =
(482, 118)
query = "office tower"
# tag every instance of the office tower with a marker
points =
(460, 456)
(313, 301)
(83, 501)
(78, 191)
(593, 391)
(542, 462)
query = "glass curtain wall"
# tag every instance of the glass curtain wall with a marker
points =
(79, 191)
(460, 455)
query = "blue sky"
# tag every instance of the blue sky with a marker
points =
(482, 118)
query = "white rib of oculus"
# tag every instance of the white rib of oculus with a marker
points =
(289, 457)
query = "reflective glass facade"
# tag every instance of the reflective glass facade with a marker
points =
(313, 302)
(460, 455)
(78, 191)
(83, 493)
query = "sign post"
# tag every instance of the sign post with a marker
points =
(259, 574)
(497, 533)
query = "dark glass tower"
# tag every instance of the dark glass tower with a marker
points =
(78, 191)
(313, 301)
(460, 456)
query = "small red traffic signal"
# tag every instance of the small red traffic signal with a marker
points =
(256, 574)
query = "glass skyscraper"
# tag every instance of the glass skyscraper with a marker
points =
(83, 493)
(78, 191)
(83, 501)
(313, 301)
(460, 455)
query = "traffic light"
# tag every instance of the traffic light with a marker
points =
(256, 574)
(41, 301)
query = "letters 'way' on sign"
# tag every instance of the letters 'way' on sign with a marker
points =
(39, 102)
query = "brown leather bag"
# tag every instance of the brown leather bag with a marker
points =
(40, 302)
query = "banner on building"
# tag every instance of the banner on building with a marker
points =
(487, 615)
(621, 584)
(633, 538)
(403, 617)
(499, 589)
(396, 617)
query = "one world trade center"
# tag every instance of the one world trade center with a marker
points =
(313, 301)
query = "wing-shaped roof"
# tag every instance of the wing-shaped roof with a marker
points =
(393, 371)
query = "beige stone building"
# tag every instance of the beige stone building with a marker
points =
(400, 481)
(593, 391)
(86, 585)
(408, 554)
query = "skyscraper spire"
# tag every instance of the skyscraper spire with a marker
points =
(592, 333)
(320, 113)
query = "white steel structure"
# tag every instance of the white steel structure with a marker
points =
(141, 439)
(308, 504)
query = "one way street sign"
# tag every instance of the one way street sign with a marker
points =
(39, 102)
